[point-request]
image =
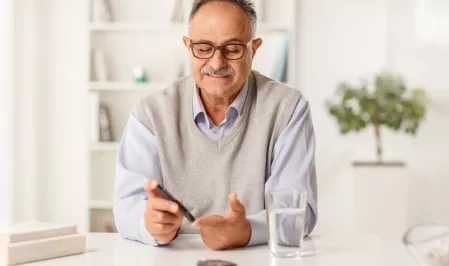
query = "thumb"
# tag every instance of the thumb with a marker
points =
(150, 187)
(235, 206)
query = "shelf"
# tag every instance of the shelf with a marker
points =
(104, 146)
(142, 26)
(101, 204)
(127, 86)
(271, 26)
(135, 26)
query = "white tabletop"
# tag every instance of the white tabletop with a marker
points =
(111, 249)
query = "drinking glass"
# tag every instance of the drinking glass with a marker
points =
(428, 244)
(286, 214)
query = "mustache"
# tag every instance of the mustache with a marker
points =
(222, 72)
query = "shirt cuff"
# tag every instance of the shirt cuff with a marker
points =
(259, 229)
(144, 236)
(160, 243)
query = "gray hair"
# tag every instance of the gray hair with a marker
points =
(246, 5)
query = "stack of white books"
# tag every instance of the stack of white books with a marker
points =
(35, 240)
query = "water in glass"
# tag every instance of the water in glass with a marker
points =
(286, 222)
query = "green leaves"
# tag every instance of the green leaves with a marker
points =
(390, 104)
(347, 119)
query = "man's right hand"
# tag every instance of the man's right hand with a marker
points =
(162, 216)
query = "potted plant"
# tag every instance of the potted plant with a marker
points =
(389, 104)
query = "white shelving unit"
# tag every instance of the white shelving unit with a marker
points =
(101, 205)
(149, 87)
(104, 146)
(133, 26)
(172, 27)
(137, 37)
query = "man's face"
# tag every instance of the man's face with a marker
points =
(219, 24)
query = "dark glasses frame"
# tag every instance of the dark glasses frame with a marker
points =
(219, 47)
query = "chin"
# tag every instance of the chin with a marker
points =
(217, 92)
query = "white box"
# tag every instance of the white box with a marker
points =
(47, 248)
(34, 241)
(33, 230)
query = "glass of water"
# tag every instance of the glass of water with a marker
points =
(286, 211)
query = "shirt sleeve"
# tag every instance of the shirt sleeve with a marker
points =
(137, 161)
(293, 166)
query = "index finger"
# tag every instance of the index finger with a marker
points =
(213, 220)
(151, 188)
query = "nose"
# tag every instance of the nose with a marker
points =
(217, 61)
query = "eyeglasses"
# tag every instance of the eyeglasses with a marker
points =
(231, 51)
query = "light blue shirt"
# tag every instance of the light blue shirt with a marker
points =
(232, 116)
(138, 160)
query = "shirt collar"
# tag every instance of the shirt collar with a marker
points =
(237, 104)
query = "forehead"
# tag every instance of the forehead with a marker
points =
(219, 21)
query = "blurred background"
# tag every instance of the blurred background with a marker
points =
(71, 71)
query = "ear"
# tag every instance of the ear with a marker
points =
(186, 41)
(256, 44)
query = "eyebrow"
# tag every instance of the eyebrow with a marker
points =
(235, 39)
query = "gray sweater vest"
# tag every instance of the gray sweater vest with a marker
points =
(204, 172)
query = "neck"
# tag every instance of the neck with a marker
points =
(216, 107)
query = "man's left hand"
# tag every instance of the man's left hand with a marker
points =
(225, 232)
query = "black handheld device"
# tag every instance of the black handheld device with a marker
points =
(182, 208)
(215, 263)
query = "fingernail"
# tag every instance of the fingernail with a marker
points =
(174, 208)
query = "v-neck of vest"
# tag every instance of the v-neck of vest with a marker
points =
(219, 145)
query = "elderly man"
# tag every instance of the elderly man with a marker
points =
(217, 139)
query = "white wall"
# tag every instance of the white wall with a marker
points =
(420, 42)
(26, 175)
(63, 72)
(353, 39)
(338, 40)
(420, 50)
(6, 110)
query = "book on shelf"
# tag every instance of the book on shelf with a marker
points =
(35, 241)
(178, 12)
(99, 66)
(101, 10)
(104, 124)
(94, 113)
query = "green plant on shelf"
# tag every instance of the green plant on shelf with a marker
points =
(389, 103)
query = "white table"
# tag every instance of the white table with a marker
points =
(111, 249)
